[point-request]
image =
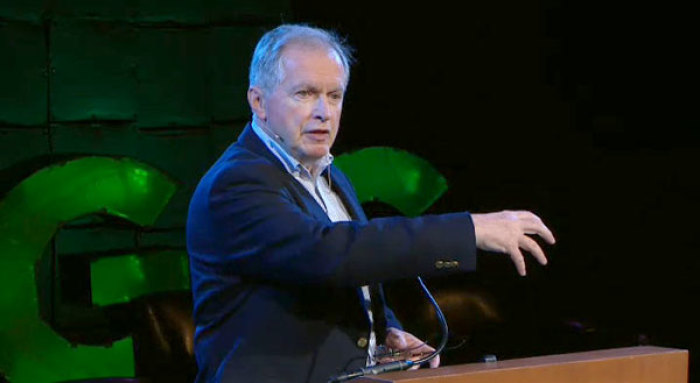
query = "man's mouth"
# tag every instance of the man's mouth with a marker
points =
(318, 134)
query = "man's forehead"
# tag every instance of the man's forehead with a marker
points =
(297, 58)
(305, 47)
(297, 54)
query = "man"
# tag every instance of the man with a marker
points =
(286, 268)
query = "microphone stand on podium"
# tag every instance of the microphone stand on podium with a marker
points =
(401, 365)
(641, 364)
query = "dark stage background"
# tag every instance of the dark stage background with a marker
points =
(583, 112)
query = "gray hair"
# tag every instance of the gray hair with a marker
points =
(266, 66)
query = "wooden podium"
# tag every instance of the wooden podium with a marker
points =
(644, 364)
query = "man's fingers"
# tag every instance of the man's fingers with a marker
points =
(435, 362)
(509, 231)
(518, 260)
(539, 229)
(416, 349)
(534, 225)
(407, 344)
(524, 214)
(424, 349)
(421, 351)
(529, 245)
(396, 340)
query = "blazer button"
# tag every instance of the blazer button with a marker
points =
(362, 342)
(440, 264)
(454, 263)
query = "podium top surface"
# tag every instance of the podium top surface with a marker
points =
(536, 362)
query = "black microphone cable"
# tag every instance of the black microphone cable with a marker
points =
(400, 365)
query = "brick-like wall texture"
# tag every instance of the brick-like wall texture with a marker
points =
(160, 81)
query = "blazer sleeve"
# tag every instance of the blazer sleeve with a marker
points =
(391, 320)
(244, 222)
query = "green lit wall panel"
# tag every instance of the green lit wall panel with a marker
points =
(175, 214)
(138, 275)
(174, 11)
(29, 217)
(169, 237)
(276, 11)
(23, 84)
(93, 239)
(172, 78)
(404, 181)
(158, 77)
(21, 144)
(94, 71)
(195, 154)
(39, 364)
(90, 9)
(228, 70)
(26, 10)
(210, 11)
(32, 10)
(161, 81)
(184, 154)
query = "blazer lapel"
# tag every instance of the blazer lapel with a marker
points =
(346, 192)
(340, 183)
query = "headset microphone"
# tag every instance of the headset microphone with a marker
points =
(275, 135)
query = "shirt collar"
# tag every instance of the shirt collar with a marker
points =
(291, 164)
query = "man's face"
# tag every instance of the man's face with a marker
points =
(304, 109)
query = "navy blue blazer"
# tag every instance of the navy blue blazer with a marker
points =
(276, 283)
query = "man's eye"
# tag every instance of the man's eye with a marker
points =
(304, 93)
(336, 96)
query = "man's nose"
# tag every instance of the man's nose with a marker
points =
(322, 109)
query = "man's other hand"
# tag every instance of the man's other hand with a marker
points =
(406, 346)
(507, 232)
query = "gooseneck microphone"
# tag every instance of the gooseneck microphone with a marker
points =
(374, 370)
(400, 365)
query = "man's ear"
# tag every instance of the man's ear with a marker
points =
(257, 102)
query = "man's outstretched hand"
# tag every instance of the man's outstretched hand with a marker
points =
(507, 232)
